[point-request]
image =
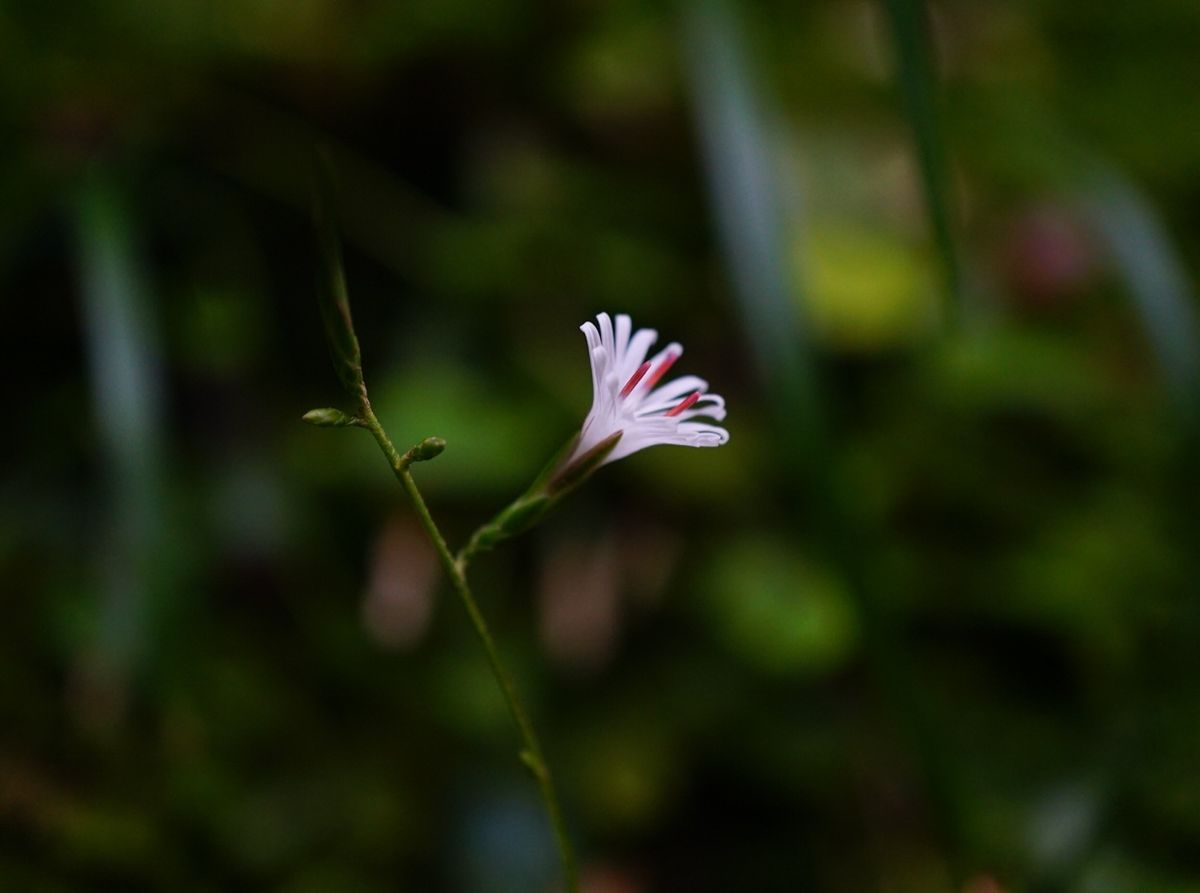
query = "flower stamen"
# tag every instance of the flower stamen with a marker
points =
(668, 361)
(685, 403)
(634, 379)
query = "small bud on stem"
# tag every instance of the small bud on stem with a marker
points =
(327, 417)
(429, 448)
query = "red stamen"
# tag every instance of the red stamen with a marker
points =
(634, 379)
(685, 403)
(658, 373)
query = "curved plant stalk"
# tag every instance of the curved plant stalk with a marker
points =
(736, 128)
(347, 360)
(1142, 252)
(531, 753)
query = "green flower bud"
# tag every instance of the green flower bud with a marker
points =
(429, 448)
(327, 417)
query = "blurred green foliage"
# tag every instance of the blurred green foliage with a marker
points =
(226, 662)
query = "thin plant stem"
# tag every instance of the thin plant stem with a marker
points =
(531, 754)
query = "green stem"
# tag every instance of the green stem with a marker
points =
(531, 754)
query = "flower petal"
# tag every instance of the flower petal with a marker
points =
(624, 326)
(701, 409)
(699, 435)
(606, 333)
(616, 352)
(666, 396)
(636, 352)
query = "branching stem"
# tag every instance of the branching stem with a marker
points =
(531, 754)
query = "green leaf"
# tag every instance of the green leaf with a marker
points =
(332, 295)
(915, 77)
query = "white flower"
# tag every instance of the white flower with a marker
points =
(627, 396)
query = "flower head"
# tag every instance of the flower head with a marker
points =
(629, 400)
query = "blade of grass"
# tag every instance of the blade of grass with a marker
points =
(1142, 251)
(1144, 256)
(736, 133)
(749, 216)
(124, 376)
(378, 213)
(913, 49)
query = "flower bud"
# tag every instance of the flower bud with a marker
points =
(327, 417)
(429, 448)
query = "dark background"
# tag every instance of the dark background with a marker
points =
(929, 622)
